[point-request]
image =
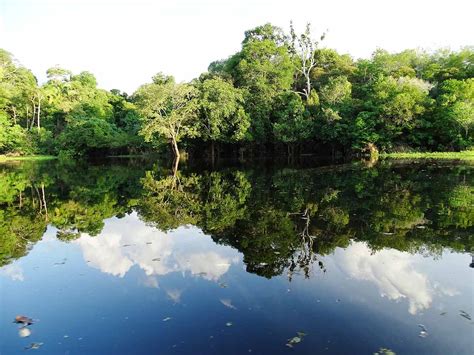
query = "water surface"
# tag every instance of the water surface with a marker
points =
(128, 258)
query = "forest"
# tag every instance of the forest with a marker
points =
(282, 93)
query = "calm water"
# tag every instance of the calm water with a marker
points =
(128, 258)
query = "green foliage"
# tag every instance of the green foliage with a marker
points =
(278, 89)
(222, 114)
(169, 110)
(455, 113)
(264, 69)
(84, 136)
(292, 121)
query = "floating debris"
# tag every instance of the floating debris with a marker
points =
(33, 346)
(24, 332)
(167, 319)
(227, 303)
(23, 320)
(423, 332)
(443, 313)
(295, 340)
(229, 324)
(465, 315)
(385, 351)
(338, 300)
(222, 285)
(66, 336)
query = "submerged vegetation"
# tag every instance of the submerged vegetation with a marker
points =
(281, 93)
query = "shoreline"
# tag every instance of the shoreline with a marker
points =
(464, 155)
(4, 158)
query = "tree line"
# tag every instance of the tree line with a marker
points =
(281, 93)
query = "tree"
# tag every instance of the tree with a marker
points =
(303, 48)
(168, 110)
(222, 114)
(336, 106)
(292, 122)
(263, 68)
(455, 111)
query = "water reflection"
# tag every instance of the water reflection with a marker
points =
(394, 273)
(129, 242)
(260, 254)
(278, 219)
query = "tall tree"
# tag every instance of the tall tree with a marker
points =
(169, 110)
(303, 48)
(264, 69)
(222, 114)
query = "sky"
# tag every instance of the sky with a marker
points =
(125, 42)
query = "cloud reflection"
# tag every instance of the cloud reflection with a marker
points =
(394, 274)
(13, 271)
(129, 242)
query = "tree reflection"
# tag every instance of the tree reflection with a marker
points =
(280, 220)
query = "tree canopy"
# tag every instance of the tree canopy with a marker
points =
(280, 92)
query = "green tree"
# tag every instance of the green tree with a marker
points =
(455, 112)
(222, 114)
(169, 111)
(264, 69)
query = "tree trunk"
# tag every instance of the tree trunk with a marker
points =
(27, 118)
(174, 145)
(175, 167)
(308, 86)
(39, 112)
(33, 116)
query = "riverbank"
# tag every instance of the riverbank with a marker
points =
(26, 157)
(464, 155)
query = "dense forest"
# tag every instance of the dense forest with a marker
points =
(282, 93)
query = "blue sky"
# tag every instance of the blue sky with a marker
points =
(125, 42)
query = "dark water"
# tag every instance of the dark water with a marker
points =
(127, 258)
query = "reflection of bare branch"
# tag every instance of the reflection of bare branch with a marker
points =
(44, 202)
(304, 256)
